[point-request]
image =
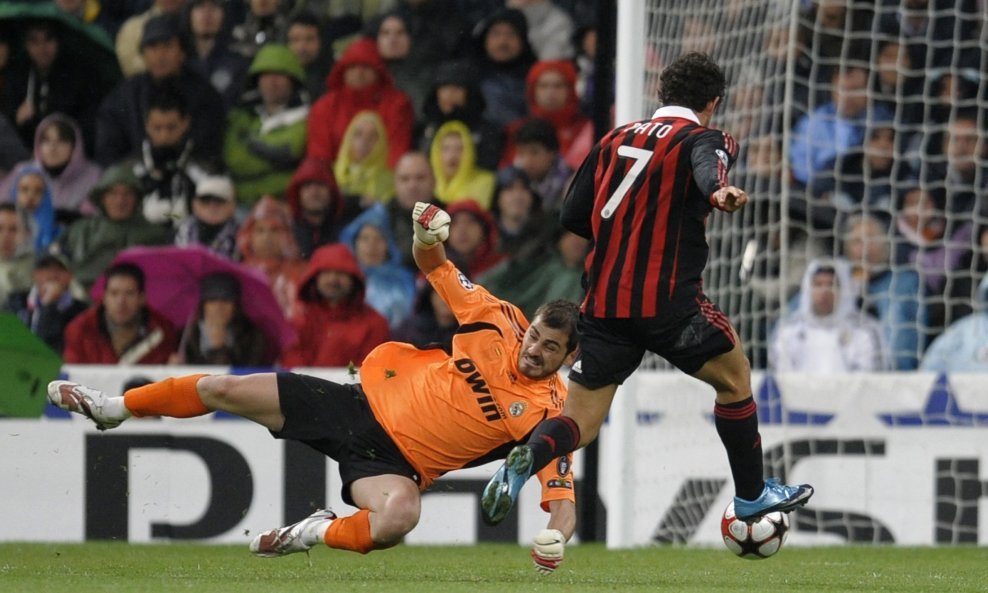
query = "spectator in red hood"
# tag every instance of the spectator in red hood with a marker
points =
(472, 238)
(335, 326)
(550, 90)
(317, 206)
(359, 81)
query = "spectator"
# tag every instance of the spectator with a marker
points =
(212, 223)
(390, 287)
(503, 56)
(550, 28)
(335, 326)
(130, 35)
(828, 334)
(58, 151)
(16, 255)
(898, 88)
(121, 117)
(266, 242)
(966, 177)
(555, 273)
(524, 231)
(51, 80)
(834, 128)
(90, 244)
(317, 205)
(551, 96)
(437, 27)
(12, 150)
(472, 238)
(411, 69)
(210, 55)
(49, 305)
(537, 154)
(359, 81)
(166, 169)
(220, 333)
(265, 138)
(431, 323)
(453, 160)
(414, 182)
(32, 197)
(122, 329)
(316, 59)
(891, 293)
(361, 168)
(456, 95)
(963, 347)
(586, 54)
(264, 23)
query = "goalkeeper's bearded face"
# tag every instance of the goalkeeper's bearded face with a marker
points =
(543, 351)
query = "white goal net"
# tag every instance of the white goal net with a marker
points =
(853, 117)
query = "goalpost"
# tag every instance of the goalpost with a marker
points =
(924, 61)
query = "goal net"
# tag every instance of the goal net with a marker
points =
(862, 128)
(906, 171)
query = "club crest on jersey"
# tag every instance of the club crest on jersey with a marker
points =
(722, 156)
(517, 409)
(562, 466)
(463, 281)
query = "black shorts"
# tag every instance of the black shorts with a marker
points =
(611, 349)
(336, 420)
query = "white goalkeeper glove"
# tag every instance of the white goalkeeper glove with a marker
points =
(547, 553)
(431, 225)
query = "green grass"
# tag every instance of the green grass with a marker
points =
(122, 568)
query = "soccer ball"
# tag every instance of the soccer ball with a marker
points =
(760, 539)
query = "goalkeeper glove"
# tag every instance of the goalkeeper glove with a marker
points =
(431, 225)
(547, 553)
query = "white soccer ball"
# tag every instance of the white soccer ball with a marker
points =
(757, 540)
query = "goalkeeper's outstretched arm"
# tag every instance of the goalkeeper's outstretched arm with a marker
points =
(431, 227)
(550, 543)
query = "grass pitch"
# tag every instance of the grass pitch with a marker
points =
(123, 568)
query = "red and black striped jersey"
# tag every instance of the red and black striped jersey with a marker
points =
(642, 197)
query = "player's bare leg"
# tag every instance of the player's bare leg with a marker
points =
(736, 418)
(390, 508)
(254, 397)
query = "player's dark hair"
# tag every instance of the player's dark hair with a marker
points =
(562, 315)
(537, 131)
(127, 270)
(692, 80)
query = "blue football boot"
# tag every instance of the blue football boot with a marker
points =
(502, 491)
(775, 497)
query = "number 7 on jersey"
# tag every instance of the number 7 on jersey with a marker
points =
(640, 156)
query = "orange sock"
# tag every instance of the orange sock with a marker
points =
(177, 398)
(351, 533)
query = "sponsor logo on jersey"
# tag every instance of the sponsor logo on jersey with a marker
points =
(478, 385)
(517, 408)
(562, 466)
(463, 281)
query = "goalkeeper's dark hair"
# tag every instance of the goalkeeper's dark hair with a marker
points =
(562, 315)
(127, 270)
(692, 80)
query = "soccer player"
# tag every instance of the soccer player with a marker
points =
(642, 197)
(416, 414)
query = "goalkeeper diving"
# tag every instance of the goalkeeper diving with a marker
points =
(415, 415)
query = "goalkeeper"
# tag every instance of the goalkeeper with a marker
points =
(415, 415)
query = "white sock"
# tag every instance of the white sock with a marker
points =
(315, 532)
(114, 408)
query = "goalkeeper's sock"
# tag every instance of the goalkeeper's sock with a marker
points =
(176, 398)
(737, 425)
(553, 438)
(351, 533)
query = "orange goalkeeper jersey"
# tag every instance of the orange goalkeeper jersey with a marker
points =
(448, 412)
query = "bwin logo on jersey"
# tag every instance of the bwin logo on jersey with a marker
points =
(722, 156)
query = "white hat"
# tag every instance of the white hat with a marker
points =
(219, 186)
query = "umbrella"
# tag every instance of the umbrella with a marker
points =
(86, 42)
(27, 364)
(172, 276)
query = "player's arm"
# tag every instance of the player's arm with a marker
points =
(559, 499)
(713, 155)
(577, 209)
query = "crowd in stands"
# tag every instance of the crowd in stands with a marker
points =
(295, 136)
